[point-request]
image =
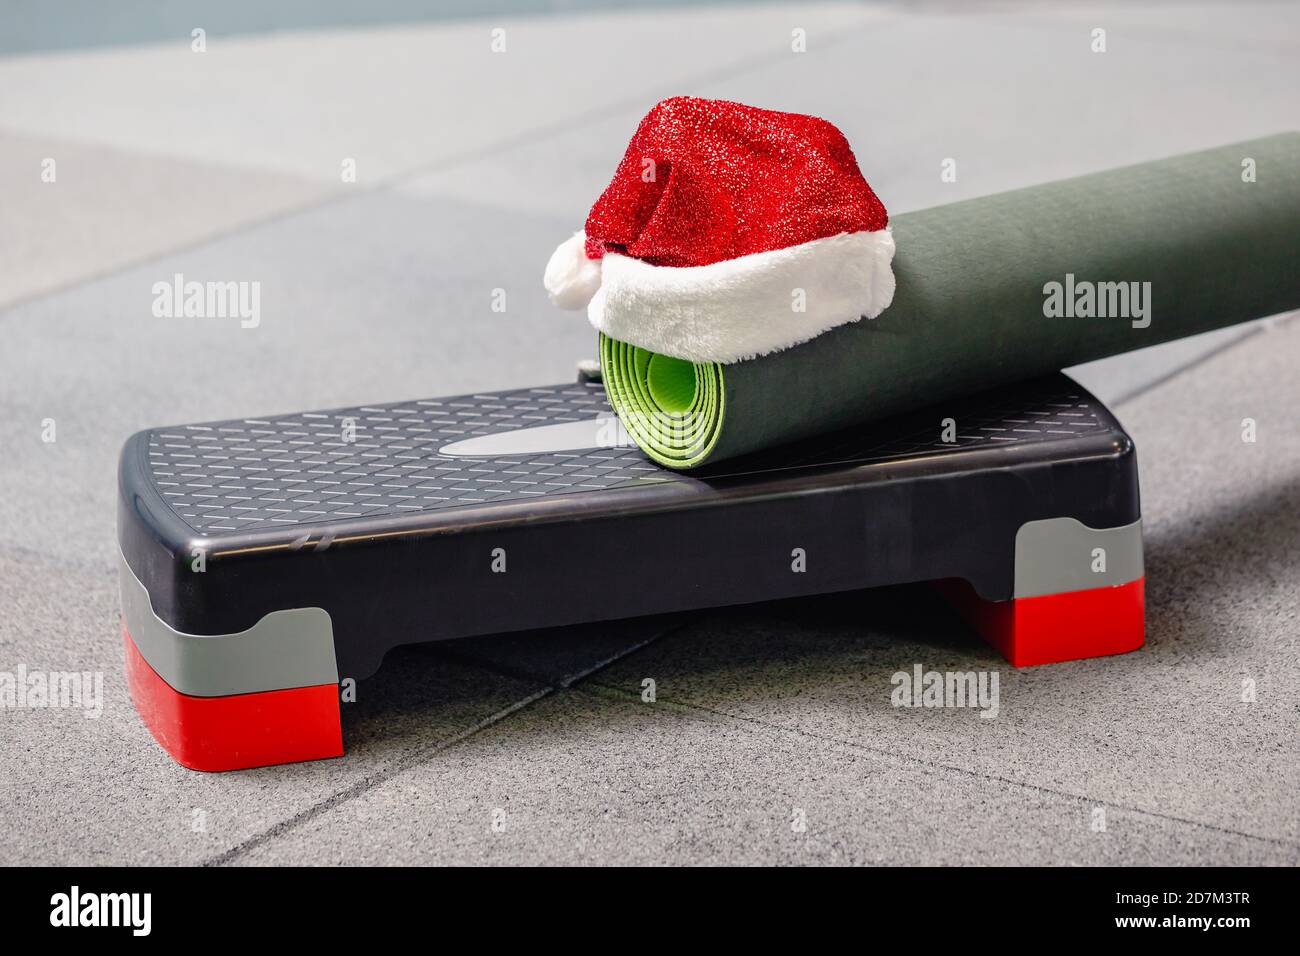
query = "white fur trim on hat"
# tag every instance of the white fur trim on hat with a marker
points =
(571, 278)
(741, 308)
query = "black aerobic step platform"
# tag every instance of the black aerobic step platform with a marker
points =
(266, 560)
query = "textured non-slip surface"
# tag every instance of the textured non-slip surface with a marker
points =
(381, 460)
(759, 712)
(255, 473)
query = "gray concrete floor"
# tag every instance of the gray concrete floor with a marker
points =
(226, 165)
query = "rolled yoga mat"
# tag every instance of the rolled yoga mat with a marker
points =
(972, 305)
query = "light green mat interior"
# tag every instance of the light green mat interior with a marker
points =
(672, 408)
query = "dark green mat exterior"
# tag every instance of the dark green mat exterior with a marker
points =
(969, 309)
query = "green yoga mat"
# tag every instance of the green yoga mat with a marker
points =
(970, 309)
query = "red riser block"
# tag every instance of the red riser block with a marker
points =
(1051, 628)
(239, 731)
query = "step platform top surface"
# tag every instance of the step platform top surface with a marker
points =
(379, 461)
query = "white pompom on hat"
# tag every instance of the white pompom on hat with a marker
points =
(571, 278)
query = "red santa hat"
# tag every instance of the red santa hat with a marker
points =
(728, 232)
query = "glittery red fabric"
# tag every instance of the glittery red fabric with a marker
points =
(708, 180)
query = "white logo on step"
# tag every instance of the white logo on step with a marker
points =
(603, 432)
